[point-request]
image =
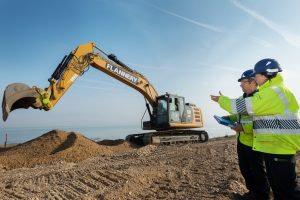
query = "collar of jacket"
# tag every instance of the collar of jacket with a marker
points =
(245, 95)
(277, 80)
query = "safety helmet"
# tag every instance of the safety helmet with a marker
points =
(248, 74)
(267, 66)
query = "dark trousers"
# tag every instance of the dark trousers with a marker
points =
(282, 176)
(253, 170)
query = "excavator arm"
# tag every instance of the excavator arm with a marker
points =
(19, 95)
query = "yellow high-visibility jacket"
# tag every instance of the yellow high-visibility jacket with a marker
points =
(274, 110)
(245, 136)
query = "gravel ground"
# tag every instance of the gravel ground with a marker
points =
(66, 165)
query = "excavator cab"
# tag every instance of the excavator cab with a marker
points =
(173, 119)
(19, 95)
(171, 112)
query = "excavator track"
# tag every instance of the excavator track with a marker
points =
(168, 137)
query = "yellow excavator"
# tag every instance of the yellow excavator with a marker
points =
(173, 120)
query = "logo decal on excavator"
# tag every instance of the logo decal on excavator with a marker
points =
(122, 73)
(73, 78)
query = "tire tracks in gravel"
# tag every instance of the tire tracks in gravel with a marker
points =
(189, 171)
(89, 179)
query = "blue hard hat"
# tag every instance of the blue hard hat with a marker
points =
(267, 66)
(248, 74)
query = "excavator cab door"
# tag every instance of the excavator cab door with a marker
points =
(176, 106)
(162, 119)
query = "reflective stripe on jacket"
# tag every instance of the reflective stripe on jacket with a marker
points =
(276, 124)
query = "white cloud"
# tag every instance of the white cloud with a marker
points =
(197, 67)
(203, 25)
(262, 42)
(151, 67)
(292, 38)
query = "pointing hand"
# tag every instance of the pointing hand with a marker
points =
(214, 98)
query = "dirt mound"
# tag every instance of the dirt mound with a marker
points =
(52, 147)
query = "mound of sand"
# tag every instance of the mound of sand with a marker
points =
(56, 146)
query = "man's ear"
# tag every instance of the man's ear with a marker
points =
(252, 81)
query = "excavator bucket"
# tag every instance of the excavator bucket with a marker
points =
(19, 95)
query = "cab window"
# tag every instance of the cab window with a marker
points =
(162, 107)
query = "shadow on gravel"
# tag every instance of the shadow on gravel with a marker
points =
(69, 142)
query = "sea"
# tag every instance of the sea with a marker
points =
(24, 134)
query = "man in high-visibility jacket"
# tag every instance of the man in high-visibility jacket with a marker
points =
(251, 162)
(276, 126)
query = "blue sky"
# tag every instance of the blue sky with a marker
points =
(192, 48)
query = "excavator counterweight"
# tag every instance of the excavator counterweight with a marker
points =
(19, 95)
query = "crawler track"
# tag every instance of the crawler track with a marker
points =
(168, 137)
